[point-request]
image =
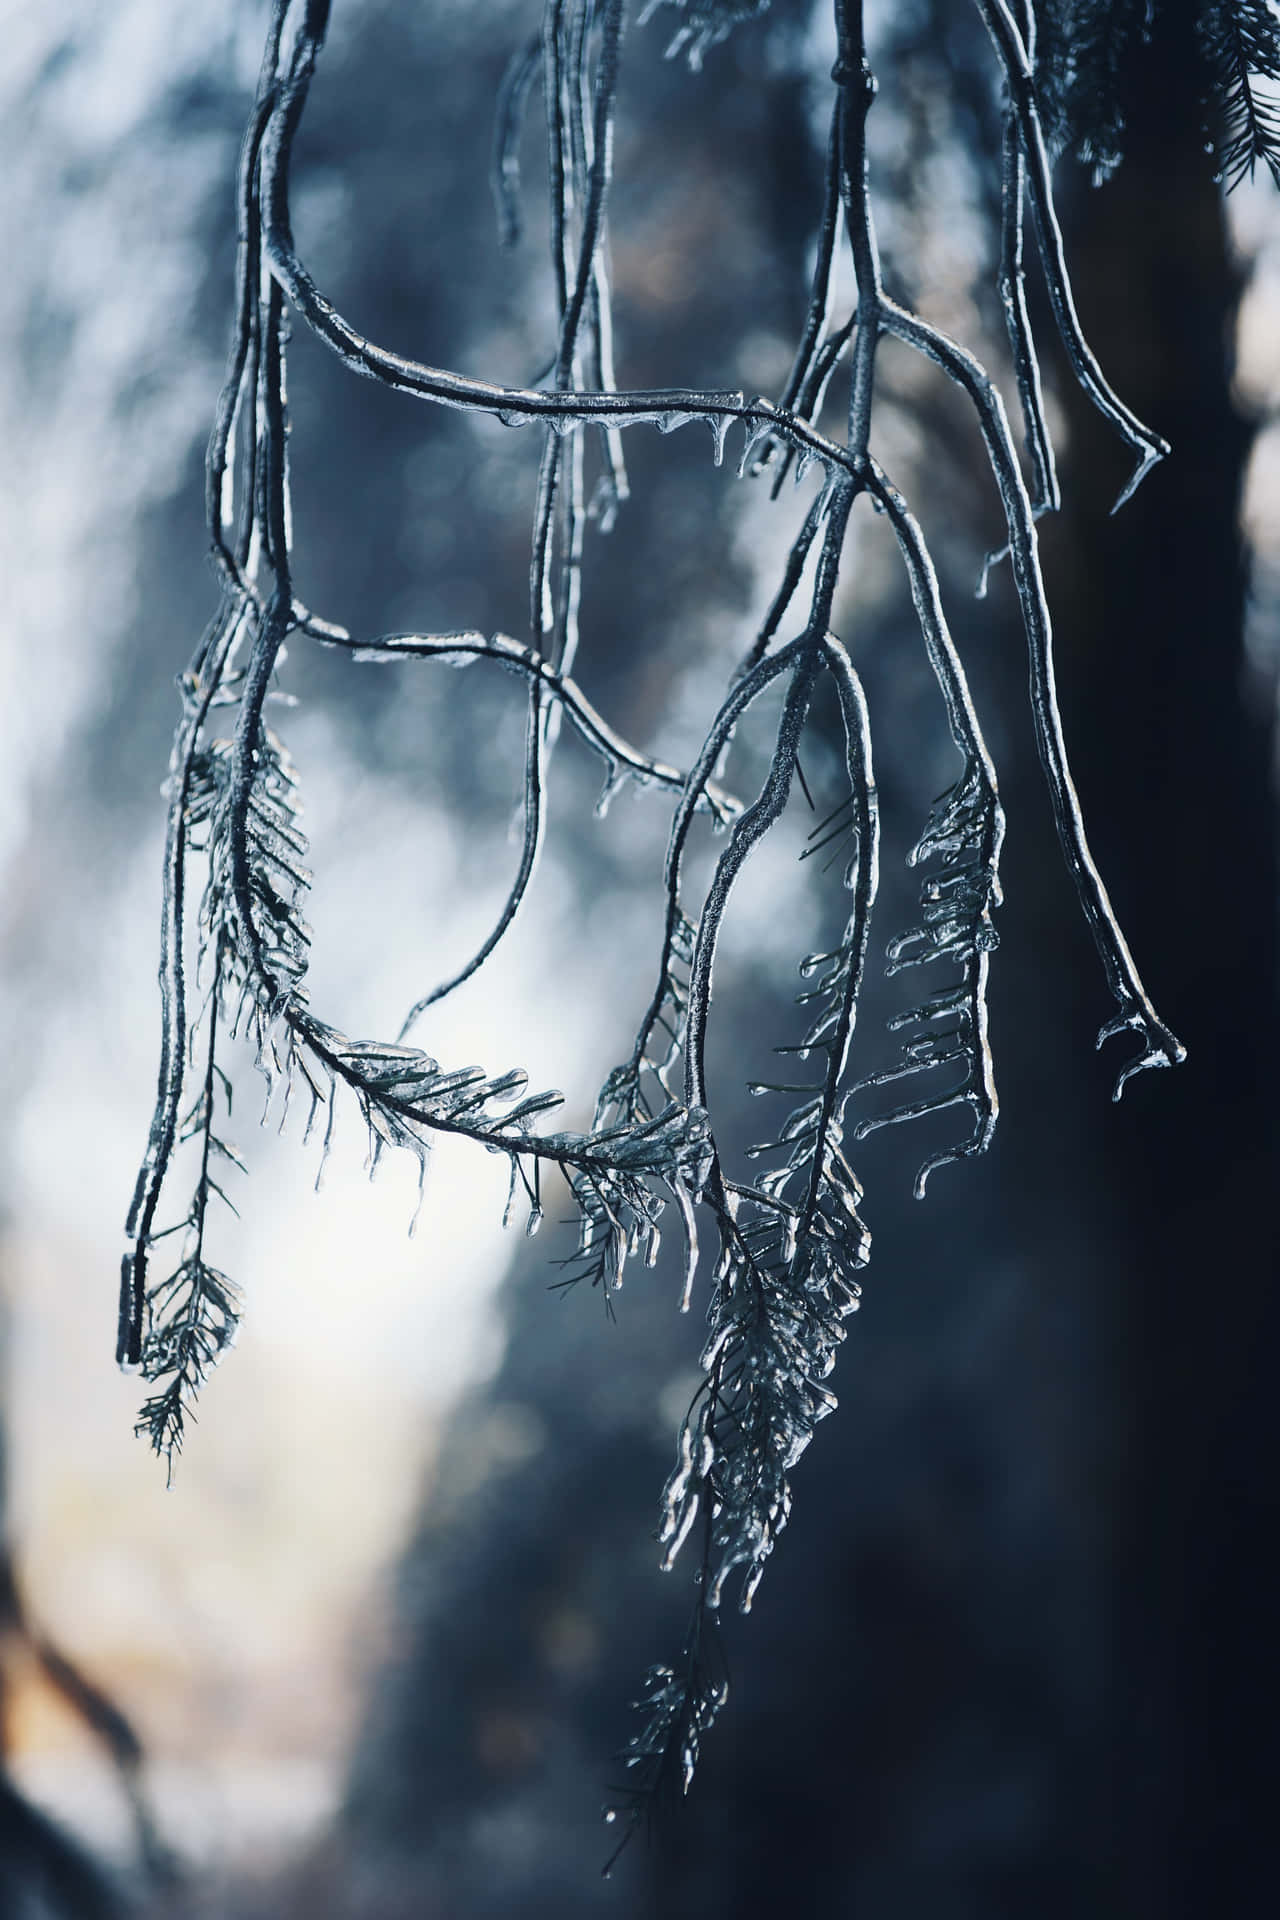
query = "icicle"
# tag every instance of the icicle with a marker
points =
(614, 780)
(760, 433)
(511, 1191)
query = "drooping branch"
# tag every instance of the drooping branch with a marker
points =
(1016, 68)
(965, 832)
(792, 1240)
(1160, 1047)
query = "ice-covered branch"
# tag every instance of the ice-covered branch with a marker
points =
(1159, 1046)
(792, 1241)
(1016, 68)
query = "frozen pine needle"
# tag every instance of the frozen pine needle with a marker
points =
(790, 1241)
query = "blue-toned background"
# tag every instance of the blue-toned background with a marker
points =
(1013, 1654)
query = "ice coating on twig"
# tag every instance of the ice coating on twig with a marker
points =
(791, 1239)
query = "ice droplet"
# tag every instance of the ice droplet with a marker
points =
(613, 781)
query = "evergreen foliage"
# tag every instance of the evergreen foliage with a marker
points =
(791, 1242)
(1240, 43)
(1083, 73)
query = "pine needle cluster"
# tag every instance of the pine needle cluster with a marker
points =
(1090, 52)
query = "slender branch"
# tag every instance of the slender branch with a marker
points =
(752, 825)
(200, 688)
(1045, 496)
(1016, 67)
(1160, 1047)
(618, 754)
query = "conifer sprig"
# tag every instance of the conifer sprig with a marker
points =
(792, 1242)
(1240, 45)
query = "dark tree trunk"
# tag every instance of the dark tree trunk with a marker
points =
(1176, 780)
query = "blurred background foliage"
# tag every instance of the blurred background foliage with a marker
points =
(378, 1642)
